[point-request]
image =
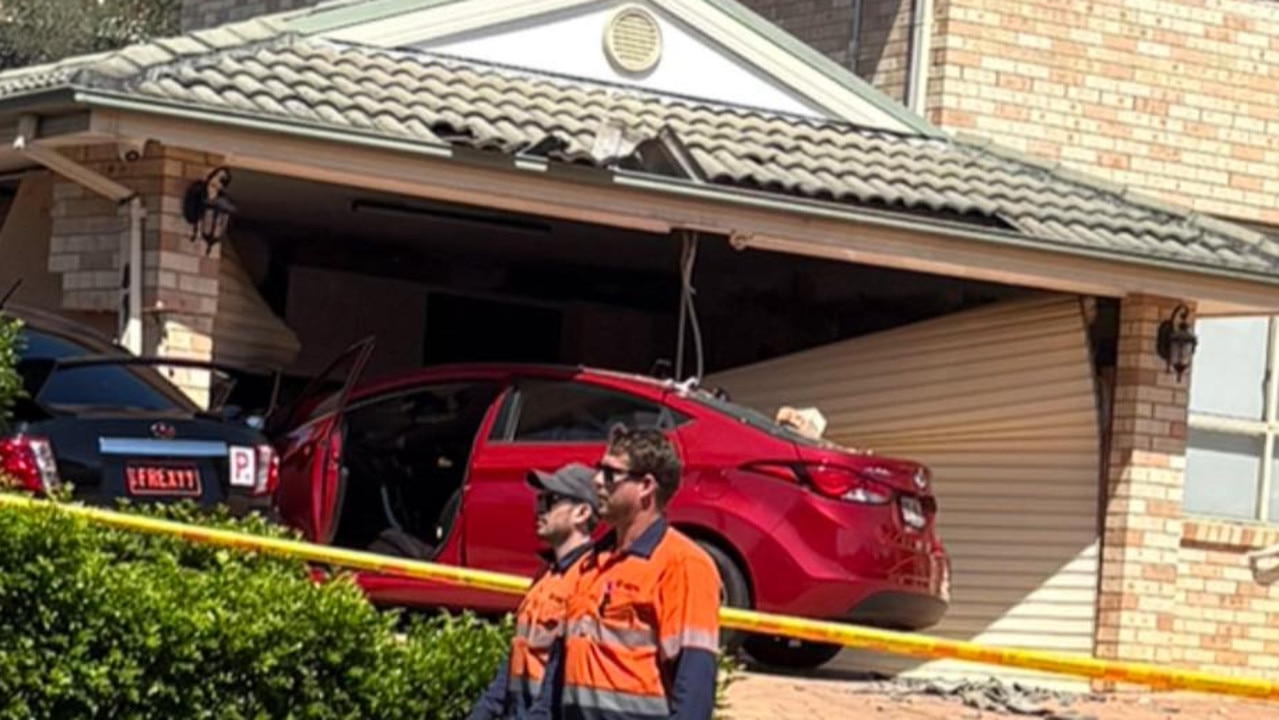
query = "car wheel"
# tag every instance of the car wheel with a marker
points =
(734, 592)
(789, 654)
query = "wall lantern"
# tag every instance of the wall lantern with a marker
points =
(1176, 342)
(208, 209)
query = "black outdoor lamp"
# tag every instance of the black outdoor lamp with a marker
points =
(208, 209)
(1176, 341)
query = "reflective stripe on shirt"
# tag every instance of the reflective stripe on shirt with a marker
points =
(614, 702)
(690, 638)
(635, 638)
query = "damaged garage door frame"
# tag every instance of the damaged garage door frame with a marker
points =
(638, 201)
(28, 144)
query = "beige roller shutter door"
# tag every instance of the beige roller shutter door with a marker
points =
(246, 331)
(1000, 402)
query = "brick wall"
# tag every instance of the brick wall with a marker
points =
(883, 45)
(826, 25)
(1175, 97)
(1227, 617)
(200, 14)
(1174, 589)
(180, 297)
(881, 48)
(1142, 525)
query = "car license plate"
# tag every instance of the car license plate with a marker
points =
(913, 512)
(162, 479)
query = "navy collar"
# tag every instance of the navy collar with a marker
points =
(643, 546)
(559, 566)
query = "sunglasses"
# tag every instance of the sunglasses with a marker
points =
(615, 476)
(546, 501)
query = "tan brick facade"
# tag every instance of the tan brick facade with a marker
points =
(1227, 617)
(180, 282)
(1173, 97)
(872, 37)
(1142, 518)
(1173, 589)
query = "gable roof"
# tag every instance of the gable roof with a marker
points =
(259, 71)
(771, 50)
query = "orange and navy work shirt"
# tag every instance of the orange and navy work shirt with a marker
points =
(643, 631)
(539, 630)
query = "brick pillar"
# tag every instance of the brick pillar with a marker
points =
(180, 282)
(1142, 518)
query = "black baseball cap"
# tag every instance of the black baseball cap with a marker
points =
(574, 480)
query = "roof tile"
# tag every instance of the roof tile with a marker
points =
(251, 68)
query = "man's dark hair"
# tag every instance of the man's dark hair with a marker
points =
(649, 453)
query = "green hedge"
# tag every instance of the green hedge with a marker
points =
(98, 623)
(10, 383)
(38, 31)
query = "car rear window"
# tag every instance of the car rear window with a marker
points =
(98, 386)
(753, 418)
(568, 411)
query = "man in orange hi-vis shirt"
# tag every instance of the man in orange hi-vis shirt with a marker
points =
(566, 514)
(643, 625)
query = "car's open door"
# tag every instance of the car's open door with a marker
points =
(309, 434)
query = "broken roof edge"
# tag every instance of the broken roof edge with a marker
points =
(1121, 193)
(672, 186)
(344, 14)
(942, 227)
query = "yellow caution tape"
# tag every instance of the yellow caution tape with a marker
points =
(853, 636)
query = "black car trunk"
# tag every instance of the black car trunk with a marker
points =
(107, 456)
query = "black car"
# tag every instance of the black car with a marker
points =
(110, 424)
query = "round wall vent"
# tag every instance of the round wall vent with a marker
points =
(633, 40)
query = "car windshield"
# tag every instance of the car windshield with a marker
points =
(753, 418)
(98, 386)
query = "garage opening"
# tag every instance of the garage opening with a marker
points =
(994, 386)
(443, 284)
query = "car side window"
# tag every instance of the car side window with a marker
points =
(566, 411)
(442, 410)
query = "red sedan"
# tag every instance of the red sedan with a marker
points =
(431, 465)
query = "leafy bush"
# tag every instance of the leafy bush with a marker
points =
(97, 622)
(37, 31)
(10, 382)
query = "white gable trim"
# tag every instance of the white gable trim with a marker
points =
(440, 21)
(433, 23)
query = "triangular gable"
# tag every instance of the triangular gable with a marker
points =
(712, 49)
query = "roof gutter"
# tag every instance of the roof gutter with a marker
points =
(232, 119)
(676, 187)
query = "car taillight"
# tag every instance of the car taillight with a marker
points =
(268, 471)
(845, 484)
(29, 462)
(830, 481)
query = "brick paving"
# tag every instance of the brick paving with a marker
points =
(765, 697)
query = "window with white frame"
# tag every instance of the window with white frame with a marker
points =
(1231, 459)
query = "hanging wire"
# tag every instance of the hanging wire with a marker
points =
(688, 310)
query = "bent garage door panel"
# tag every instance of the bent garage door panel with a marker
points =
(1000, 402)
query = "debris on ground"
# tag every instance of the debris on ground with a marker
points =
(990, 696)
(861, 695)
